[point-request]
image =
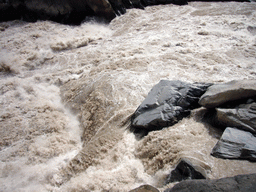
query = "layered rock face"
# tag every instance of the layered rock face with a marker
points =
(233, 108)
(68, 11)
(236, 144)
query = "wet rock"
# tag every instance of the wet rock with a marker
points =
(252, 29)
(10, 11)
(69, 11)
(236, 144)
(239, 183)
(243, 117)
(188, 169)
(64, 11)
(232, 91)
(166, 104)
(102, 8)
(145, 188)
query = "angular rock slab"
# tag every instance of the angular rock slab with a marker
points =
(166, 103)
(220, 94)
(188, 168)
(242, 117)
(239, 183)
(236, 144)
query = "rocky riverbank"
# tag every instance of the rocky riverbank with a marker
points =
(72, 12)
(230, 104)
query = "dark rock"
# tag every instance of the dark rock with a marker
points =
(239, 183)
(10, 11)
(187, 169)
(252, 29)
(102, 8)
(166, 103)
(70, 11)
(243, 117)
(64, 11)
(236, 144)
(145, 188)
(220, 94)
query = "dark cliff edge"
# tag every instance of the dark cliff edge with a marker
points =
(73, 12)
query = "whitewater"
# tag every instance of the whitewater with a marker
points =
(67, 94)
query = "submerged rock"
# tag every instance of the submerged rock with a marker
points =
(232, 91)
(187, 169)
(236, 144)
(239, 183)
(145, 188)
(166, 103)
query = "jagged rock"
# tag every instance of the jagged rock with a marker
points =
(188, 168)
(236, 144)
(220, 94)
(243, 117)
(239, 183)
(166, 103)
(145, 188)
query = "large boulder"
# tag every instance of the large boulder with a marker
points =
(236, 144)
(188, 168)
(239, 183)
(166, 103)
(220, 94)
(242, 116)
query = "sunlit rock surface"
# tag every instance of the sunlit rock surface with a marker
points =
(166, 104)
(242, 116)
(236, 144)
(232, 91)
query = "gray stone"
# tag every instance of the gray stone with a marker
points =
(166, 103)
(236, 144)
(220, 94)
(242, 117)
(239, 183)
(145, 188)
(188, 168)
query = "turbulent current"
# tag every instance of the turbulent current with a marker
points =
(67, 94)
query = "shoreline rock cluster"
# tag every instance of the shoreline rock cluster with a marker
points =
(230, 106)
(73, 12)
(239, 183)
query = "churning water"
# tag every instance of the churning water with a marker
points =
(67, 92)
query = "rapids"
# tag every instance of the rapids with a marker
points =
(67, 92)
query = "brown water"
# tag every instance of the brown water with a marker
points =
(67, 92)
